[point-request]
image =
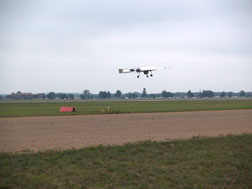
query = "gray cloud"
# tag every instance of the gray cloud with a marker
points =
(73, 45)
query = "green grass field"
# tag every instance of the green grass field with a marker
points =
(221, 162)
(45, 108)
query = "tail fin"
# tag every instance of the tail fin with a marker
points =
(126, 70)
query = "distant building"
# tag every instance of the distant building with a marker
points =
(39, 96)
(25, 96)
(19, 95)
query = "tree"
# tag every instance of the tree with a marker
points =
(118, 94)
(43, 96)
(131, 95)
(223, 95)
(200, 94)
(108, 94)
(86, 95)
(242, 94)
(189, 94)
(39, 96)
(144, 93)
(51, 95)
(230, 94)
(62, 96)
(104, 94)
(70, 96)
(166, 94)
(206, 93)
(153, 96)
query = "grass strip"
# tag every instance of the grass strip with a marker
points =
(115, 107)
(198, 162)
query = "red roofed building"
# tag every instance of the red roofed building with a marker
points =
(67, 109)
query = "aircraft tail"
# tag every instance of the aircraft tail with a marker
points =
(126, 70)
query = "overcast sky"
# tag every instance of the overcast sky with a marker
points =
(70, 46)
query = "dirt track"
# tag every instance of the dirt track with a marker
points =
(64, 132)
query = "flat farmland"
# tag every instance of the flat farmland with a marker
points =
(42, 148)
(45, 108)
(79, 131)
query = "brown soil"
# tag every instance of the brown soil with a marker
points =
(65, 132)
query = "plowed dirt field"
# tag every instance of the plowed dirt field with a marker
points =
(65, 132)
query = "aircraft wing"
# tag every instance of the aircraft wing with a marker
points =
(147, 68)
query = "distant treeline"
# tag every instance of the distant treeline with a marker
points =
(86, 94)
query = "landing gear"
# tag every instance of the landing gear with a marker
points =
(145, 73)
(151, 73)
